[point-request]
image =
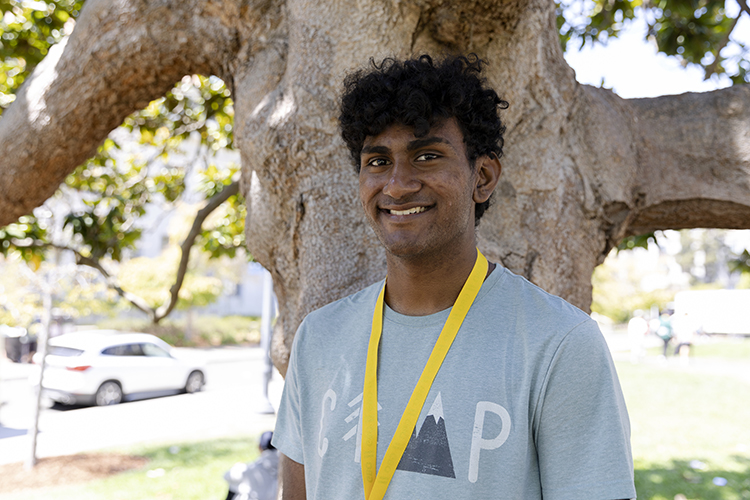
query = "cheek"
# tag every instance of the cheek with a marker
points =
(456, 189)
(367, 191)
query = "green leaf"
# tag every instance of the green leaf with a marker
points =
(639, 241)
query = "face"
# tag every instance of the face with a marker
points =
(419, 192)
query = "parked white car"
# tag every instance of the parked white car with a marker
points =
(106, 367)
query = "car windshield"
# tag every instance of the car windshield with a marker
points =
(64, 351)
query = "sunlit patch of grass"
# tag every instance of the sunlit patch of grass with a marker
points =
(690, 432)
(191, 471)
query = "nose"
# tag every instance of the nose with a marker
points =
(402, 181)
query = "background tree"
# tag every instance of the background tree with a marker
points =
(583, 168)
(117, 187)
(21, 304)
(741, 263)
(696, 32)
(710, 258)
(692, 259)
(96, 216)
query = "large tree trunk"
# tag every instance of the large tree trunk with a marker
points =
(583, 168)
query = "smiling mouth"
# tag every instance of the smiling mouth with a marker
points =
(415, 210)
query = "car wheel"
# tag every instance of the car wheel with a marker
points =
(109, 393)
(194, 382)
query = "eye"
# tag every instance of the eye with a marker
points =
(427, 157)
(377, 162)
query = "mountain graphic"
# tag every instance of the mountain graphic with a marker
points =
(429, 452)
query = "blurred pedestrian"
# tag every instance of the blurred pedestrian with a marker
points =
(684, 331)
(637, 331)
(665, 332)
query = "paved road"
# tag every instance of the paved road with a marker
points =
(228, 406)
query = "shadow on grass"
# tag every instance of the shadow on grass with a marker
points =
(693, 480)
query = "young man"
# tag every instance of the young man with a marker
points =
(454, 378)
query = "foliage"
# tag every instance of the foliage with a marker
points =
(226, 228)
(708, 256)
(744, 282)
(117, 185)
(696, 259)
(617, 291)
(151, 278)
(110, 193)
(17, 306)
(208, 330)
(638, 241)
(27, 30)
(24, 238)
(695, 31)
(196, 104)
(77, 292)
(741, 263)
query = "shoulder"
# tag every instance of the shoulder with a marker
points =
(340, 316)
(339, 309)
(528, 303)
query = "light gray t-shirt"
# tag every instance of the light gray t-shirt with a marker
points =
(526, 405)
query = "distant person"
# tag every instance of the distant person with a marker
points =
(683, 332)
(665, 332)
(637, 331)
(257, 480)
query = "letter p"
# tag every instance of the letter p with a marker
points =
(478, 443)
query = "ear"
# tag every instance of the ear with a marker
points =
(488, 169)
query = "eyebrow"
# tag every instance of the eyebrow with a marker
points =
(411, 146)
(375, 149)
(426, 141)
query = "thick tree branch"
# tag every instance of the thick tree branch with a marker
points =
(113, 63)
(671, 162)
(187, 245)
(694, 161)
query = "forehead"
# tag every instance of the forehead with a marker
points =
(402, 136)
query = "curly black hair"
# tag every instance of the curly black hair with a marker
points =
(420, 93)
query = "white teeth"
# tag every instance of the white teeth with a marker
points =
(415, 210)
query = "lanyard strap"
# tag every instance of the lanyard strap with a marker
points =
(376, 482)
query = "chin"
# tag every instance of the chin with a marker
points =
(404, 249)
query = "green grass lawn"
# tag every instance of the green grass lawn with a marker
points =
(727, 348)
(691, 426)
(188, 471)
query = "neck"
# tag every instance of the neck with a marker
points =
(428, 284)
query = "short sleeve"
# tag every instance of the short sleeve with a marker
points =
(582, 430)
(287, 437)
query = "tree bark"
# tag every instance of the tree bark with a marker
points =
(583, 168)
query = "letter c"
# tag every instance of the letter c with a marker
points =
(323, 442)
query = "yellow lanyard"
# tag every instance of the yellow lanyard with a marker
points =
(376, 482)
